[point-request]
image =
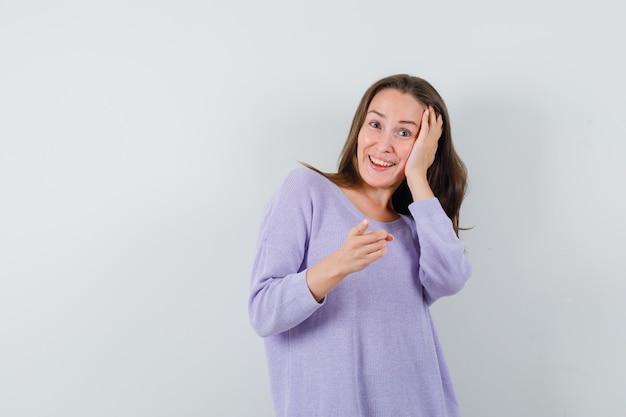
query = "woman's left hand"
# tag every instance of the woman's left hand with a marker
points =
(423, 154)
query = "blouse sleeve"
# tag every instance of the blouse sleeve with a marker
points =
(280, 297)
(444, 267)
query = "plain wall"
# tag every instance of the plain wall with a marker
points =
(140, 140)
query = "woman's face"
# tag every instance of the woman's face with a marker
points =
(386, 138)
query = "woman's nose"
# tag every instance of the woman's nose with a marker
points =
(384, 144)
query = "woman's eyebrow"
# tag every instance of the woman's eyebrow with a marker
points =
(401, 121)
(378, 113)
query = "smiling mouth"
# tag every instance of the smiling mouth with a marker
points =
(381, 163)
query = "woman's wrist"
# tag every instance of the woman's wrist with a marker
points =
(324, 276)
(420, 188)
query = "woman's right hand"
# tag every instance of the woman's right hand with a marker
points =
(360, 249)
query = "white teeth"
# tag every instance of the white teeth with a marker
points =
(381, 163)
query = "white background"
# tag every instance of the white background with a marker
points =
(139, 141)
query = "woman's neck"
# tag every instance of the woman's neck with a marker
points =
(374, 203)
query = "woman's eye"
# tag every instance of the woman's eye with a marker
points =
(405, 133)
(375, 125)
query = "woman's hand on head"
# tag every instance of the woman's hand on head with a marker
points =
(423, 154)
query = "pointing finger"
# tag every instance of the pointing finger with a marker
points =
(360, 228)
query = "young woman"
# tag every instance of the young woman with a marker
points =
(348, 264)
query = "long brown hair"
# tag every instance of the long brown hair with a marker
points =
(447, 175)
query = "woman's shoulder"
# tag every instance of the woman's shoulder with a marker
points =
(304, 178)
(300, 189)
